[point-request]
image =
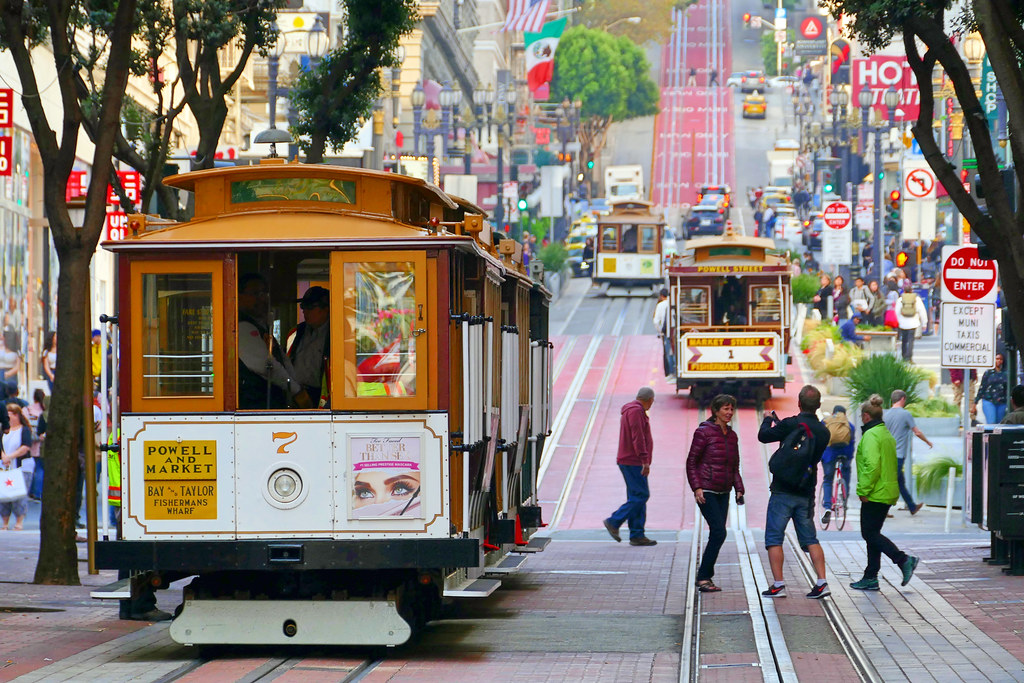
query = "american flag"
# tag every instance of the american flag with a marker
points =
(526, 15)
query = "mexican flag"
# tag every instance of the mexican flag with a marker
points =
(540, 56)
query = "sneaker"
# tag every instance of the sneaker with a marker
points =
(909, 565)
(865, 585)
(826, 516)
(642, 540)
(774, 591)
(613, 530)
(819, 592)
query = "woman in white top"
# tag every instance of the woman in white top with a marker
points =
(50, 358)
(9, 362)
(17, 452)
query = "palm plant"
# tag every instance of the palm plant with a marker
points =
(882, 374)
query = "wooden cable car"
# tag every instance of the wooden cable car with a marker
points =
(730, 311)
(341, 500)
(628, 253)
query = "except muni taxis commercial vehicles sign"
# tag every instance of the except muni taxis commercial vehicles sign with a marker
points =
(968, 308)
(730, 355)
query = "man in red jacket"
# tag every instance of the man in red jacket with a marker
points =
(634, 459)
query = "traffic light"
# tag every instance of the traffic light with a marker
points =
(521, 205)
(901, 259)
(893, 219)
(746, 20)
(827, 183)
(590, 165)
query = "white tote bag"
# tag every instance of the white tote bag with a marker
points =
(12, 485)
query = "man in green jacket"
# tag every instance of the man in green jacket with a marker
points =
(878, 490)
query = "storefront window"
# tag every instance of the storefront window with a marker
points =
(380, 304)
(178, 335)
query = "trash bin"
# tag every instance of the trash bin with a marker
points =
(1003, 468)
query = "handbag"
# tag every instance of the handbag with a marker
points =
(891, 320)
(12, 485)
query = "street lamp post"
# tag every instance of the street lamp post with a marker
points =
(568, 115)
(496, 110)
(866, 100)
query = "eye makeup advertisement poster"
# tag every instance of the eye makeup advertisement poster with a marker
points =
(385, 477)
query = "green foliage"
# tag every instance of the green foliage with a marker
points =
(343, 87)
(882, 374)
(769, 53)
(612, 15)
(933, 407)
(553, 256)
(608, 74)
(539, 227)
(803, 288)
(822, 331)
(844, 359)
(933, 474)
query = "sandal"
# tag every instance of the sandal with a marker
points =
(708, 587)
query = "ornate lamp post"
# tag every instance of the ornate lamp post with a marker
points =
(495, 111)
(273, 135)
(424, 124)
(866, 100)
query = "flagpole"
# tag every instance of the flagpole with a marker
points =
(550, 15)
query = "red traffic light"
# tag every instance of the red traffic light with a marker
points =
(894, 196)
(746, 17)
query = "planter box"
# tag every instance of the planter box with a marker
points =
(837, 386)
(938, 426)
(938, 498)
(879, 342)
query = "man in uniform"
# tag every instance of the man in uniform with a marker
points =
(310, 345)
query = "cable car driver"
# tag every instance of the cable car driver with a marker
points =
(310, 342)
(260, 356)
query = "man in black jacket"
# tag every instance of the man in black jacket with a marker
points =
(795, 503)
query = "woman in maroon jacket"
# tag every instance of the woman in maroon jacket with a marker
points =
(713, 468)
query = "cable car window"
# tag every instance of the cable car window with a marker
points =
(177, 353)
(649, 238)
(609, 238)
(730, 302)
(380, 303)
(692, 305)
(293, 189)
(764, 305)
(628, 239)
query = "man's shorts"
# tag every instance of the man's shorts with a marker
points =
(783, 507)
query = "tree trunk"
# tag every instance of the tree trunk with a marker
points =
(58, 554)
(210, 119)
(317, 145)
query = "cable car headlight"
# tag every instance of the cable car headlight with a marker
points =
(285, 485)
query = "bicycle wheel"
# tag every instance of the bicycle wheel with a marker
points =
(839, 501)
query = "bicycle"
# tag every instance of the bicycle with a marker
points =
(839, 496)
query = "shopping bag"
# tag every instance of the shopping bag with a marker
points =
(12, 485)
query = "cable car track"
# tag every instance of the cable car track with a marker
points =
(773, 657)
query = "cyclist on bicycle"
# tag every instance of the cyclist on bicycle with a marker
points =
(838, 454)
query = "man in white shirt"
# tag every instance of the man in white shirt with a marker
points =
(663, 325)
(309, 344)
(259, 355)
(910, 314)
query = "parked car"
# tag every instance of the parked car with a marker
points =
(752, 80)
(755, 106)
(704, 222)
(734, 80)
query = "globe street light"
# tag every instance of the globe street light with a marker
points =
(273, 136)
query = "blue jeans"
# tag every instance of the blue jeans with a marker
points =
(994, 412)
(783, 507)
(36, 490)
(634, 510)
(827, 478)
(904, 491)
(669, 354)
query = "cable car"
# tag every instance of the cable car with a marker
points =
(628, 253)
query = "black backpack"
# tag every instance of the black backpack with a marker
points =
(792, 465)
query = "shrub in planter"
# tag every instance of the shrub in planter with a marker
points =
(844, 359)
(818, 334)
(933, 474)
(882, 374)
(933, 407)
(553, 256)
(803, 288)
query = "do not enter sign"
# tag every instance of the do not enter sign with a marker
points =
(965, 277)
(837, 215)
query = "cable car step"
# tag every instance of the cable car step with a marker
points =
(508, 565)
(536, 545)
(118, 590)
(473, 588)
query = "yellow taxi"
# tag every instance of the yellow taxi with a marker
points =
(754, 106)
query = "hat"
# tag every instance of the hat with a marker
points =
(96, 333)
(838, 409)
(316, 296)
